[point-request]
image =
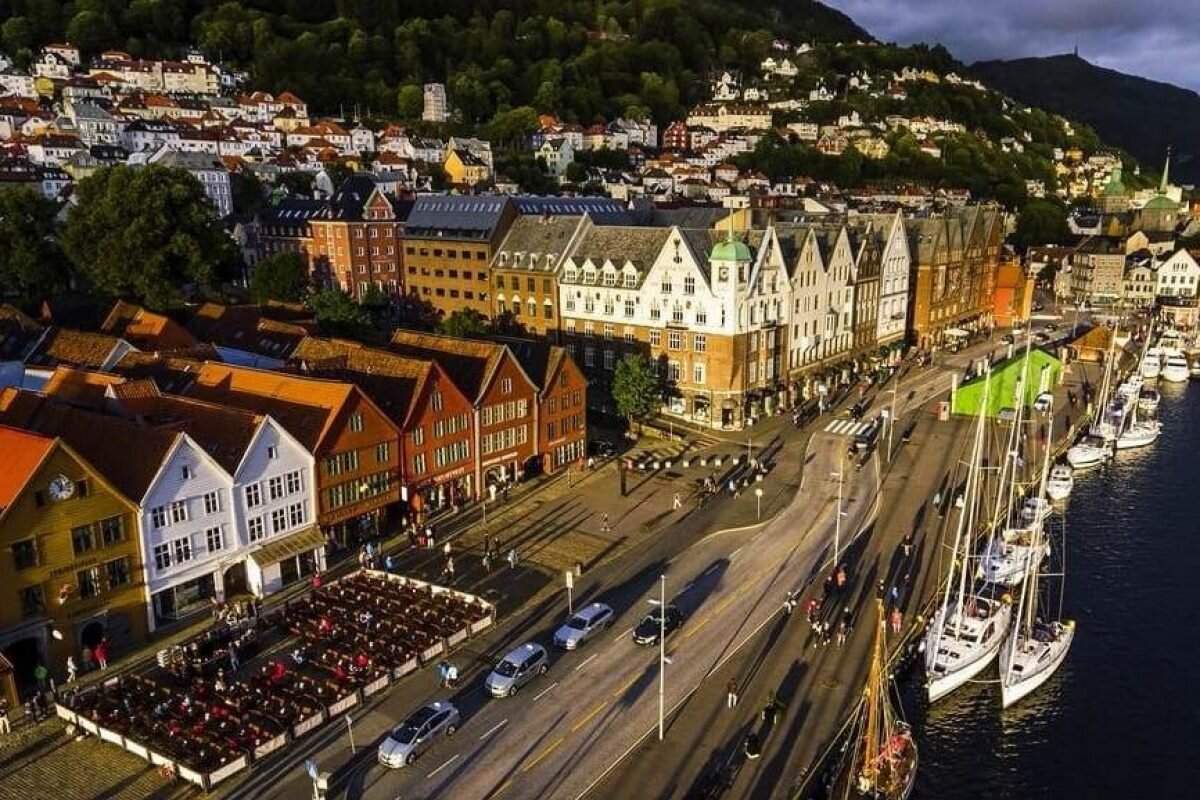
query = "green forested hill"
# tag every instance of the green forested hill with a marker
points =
(583, 59)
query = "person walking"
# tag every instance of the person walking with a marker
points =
(101, 654)
(5, 725)
(72, 669)
(731, 694)
(678, 502)
(42, 676)
(450, 568)
(446, 549)
(486, 560)
(604, 526)
(896, 618)
(512, 558)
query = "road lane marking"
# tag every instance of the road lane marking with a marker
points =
(625, 632)
(539, 695)
(500, 789)
(685, 588)
(626, 685)
(497, 727)
(734, 554)
(449, 761)
(599, 707)
(542, 755)
(696, 626)
(584, 663)
(712, 569)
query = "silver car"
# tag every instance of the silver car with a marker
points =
(417, 733)
(583, 625)
(516, 669)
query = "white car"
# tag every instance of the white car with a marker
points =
(586, 622)
(417, 733)
(1044, 402)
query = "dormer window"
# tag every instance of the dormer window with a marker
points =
(569, 275)
(589, 275)
(630, 279)
(610, 278)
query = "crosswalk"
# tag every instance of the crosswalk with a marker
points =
(846, 427)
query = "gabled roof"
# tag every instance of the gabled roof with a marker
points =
(306, 407)
(393, 381)
(470, 363)
(73, 348)
(145, 329)
(170, 373)
(18, 333)
(130, 467)
(531, 239)
(23, 452)
(638, 246)
(79, 387)
(244, 327)
(538, 358)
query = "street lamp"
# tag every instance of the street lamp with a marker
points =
(837, 526)
(662, 649)
(758, 499)
(892, 416)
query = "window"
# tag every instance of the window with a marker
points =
(699, 342)
(628, 307)
(356, 422)
(506, 386)
(112, 531)
(117, 572)
(162, 556)
(214, 539)
(677, 314)
(697, 373)
(630, 280)
(295, 482)
(83, 488)
(255, 527)
(610, 278)
(296, 514)
(188, 472)
(608, 360)
(418, 436)
(278, 520)
(547, 309)
(608, 331)
(655, 338)
(181, 550)
(701, 316)
(272, 452)
(674, 340)
(589, 356)
(82, 539)
(212, 502)
(666, 285)
(689, 284)
(32, 601)
(89, 582)
(253, 495)
(419, 464)
(179, 511)
(275, 487)
(24, 554)
(673, 371)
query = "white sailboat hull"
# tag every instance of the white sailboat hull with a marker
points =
(1035, 671)
(943, 677)
(1082, 456)
(1005, 565)
(1138, 435)
(1060, 490)
(1176, 374)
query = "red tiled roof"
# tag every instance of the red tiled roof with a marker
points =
(145, 329)
(23, 453)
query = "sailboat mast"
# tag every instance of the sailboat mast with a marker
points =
(971, 500)
(874, 698)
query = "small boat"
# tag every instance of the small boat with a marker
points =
(1148, 400)
(1151, 364)
(1007, 557)
(1036, 509)
(1175, 368)
(1061, 482)
(1195, 369)
(1090, 452)
(1139, 434)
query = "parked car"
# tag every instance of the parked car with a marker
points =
(1044, 402)
(516, 669)
(602, 448)
(653, 624)
(857, 410)
(417, 733)
(583, 625)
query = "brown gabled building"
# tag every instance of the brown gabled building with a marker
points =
(356, 240)
(504, 397)
(146, 330)
(355, 444)
(436, 420)
(562, 401)
(72, 348)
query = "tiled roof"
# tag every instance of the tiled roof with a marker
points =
(243, 327)
(393, 381)
(468, 362)
(73, 348)
(18, 333)
(223, 431)
(80, 387)
(638, 246)
(531, 239)
(23, 452)
(145, 329)
(130, 467)
(171, 373)
(305, 407)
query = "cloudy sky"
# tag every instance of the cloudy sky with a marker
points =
(1156, 39)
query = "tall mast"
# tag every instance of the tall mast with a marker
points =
(970, 502)
(874, 698)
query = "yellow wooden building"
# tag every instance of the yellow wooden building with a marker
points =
(71, 564)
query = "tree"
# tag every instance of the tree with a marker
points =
(30, 261)
(636, 390)
(1041, 222)
(466, 323)
(146, 232)
(410, 101)
(297, 182)
(507, 325)
(337, 314)
(247, 191)
(280, 276)
(417, 313)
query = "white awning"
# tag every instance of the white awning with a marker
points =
(958, 333)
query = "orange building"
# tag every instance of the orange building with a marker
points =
(1013, 294)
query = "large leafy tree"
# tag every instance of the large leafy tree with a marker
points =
(1041, 222)
(464, 323)
(146, 232)
(31, 264)
(636, 390)
(338, 314)
(281, 276)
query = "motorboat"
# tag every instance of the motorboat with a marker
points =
(1148, 400)
(1036, 509)
(1091, 451)
(1151, 364)
(1061, 482)
(1175, 368)
(1139, 434)
(1006, 560)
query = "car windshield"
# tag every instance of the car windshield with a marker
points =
(408, 730)
(506, 669)
(577, 623)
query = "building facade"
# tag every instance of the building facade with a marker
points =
(356, 240)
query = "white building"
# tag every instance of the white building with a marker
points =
(1178, 276)
(207, 169)
(434, 108)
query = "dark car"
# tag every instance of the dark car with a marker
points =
(652, 624)
(857, 410)
(603, 448)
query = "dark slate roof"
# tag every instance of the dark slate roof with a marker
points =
(638, 246)
(348, 201)
(688, 217)
(456, 217)
(537, 357)
(531, 239)
(602, 210)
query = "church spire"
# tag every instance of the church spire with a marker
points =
(1162, 185)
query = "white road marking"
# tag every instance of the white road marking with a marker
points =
(584, 663)
(500, 725)
(733, 555)
(625, 632)
(539, 695)
(685, 588)
(449, 761)
(712, 569)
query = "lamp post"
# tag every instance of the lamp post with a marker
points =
(758, 499)
(662, 649)
(892, 417)
(837, 525)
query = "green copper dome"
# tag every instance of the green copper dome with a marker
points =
(1160, 203)
(730, 249)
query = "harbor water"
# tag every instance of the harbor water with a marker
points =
(1121, 718)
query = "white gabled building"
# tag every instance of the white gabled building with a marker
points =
(822, 299)
(1178, 275)
(895, 264)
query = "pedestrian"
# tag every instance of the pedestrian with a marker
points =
(512, 558)
(842, 632)
(894, 595)
(429, 536)
(487, 561)
(847, 618)
(389, 563)
(446, 549)
(733, 490)
(5, 725)
(880, 589)
(450, 567)
(841, 577)
(731, 694)
(897, 619)
(907, 545)
(234, 661)
(678, 502)
(72, 669)
(41, 675)
(85, 656)
(789, 604)
(101, 654)
(811, 610)
(830, 585)
(604, 526)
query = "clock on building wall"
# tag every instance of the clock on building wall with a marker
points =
(723, 273)
(62, 488)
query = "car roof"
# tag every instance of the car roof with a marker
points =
(593, 610)
(518, 654)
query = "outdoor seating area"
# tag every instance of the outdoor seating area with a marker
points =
(209, 714)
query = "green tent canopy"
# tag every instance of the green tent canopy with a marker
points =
(1004, 379)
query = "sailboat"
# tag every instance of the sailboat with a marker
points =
(1095, 449)
(969, 626)
(881, 759)
(1061, 482)
(1035, 649)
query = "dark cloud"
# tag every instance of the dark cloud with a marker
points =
(1155, 39)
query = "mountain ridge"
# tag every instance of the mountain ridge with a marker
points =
(1141, 115)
